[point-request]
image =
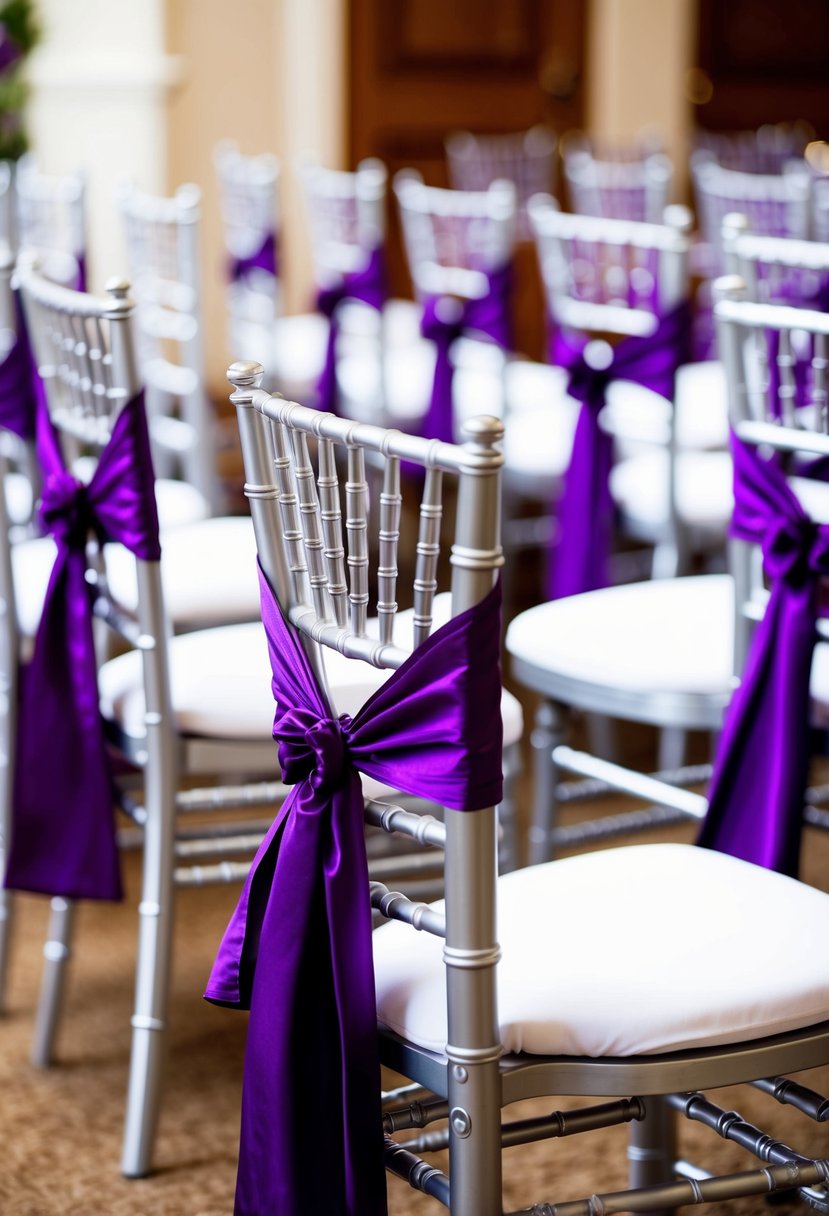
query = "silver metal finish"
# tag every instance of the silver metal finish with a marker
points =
(527, 159)
(162, 237)
(617, 182)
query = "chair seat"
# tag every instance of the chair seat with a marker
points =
(179, 503)
(701, 406)
(32, 562)
(587, 969)
(19, 504)
(208, 571)
(704, 495)
(658, 651)
(221, 687)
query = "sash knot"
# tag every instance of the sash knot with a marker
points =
(65, 509)
(316, 748)
(795, 549)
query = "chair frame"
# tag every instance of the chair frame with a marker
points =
(298, 534)
(85, 350)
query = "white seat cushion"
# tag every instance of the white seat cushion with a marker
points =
(221, 688)
(587, 969)
(661, 635)
(18, 490)
(701, 400)
(177, 501)
(298, 346)
(32, 562)
(639, 486)
(208, 571)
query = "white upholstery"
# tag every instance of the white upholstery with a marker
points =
(178, 502)
(588, 969)
(701, 405)
(673, 635)
(208, 572)
(32, 562)
(660, 635)
(639, 486)
(220, 681)
(18, 490)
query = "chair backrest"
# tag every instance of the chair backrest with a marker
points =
(453, 238)
(765, 150)
(610, 276)
(51, 221)
(525, 158)
(162, 238)
(776, 270)
(85, 351)
(249, 200)
(617, 182)
(768, 410)
(776, 204)
(346, 213)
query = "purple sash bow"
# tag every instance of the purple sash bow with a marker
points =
(447, 318)
(18, 398)
(63, 834)
(264, 257)
(585, 510)
(367, 285)
(757, 789)
(298, 951)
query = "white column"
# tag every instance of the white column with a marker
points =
(100, 81)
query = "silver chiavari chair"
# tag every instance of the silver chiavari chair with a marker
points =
(670, 483)
(162, 243)
(251, 223)
(50, 220)
(525, 158)
(765, 150)
(623, 183)
(486, 1005)
(459, 248)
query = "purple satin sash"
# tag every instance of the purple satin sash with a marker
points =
(80, 277)
(263, 258)
(18, 398)
(585, 510)
(297, 951)
(10, 51)
(447, 318)
(367, 285)
(63, 833)
(757, 789)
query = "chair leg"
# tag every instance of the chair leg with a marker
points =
(6, 918)
(152, 983)
(547, 733)
(57, 950)
(652, 1146)
(475, 1147)
(673, 746)
(509, 851)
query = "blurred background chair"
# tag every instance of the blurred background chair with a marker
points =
(525, 158)
(623, 182)
(50, 220)
(470, 1045)
(162, 240)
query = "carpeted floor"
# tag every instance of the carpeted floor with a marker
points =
(60, 1130)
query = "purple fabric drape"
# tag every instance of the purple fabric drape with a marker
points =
(264, 257)
(757, 788)
(63, 834)
(80, 277)
(585, 510)
(367, 285)
(447, 318)
(18, 399)
(297, 951)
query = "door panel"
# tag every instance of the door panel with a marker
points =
(422, 68)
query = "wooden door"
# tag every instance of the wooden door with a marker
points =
(422, 68)
(762, 61)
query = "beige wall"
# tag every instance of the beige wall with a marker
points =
(146, 88)
(638, 54)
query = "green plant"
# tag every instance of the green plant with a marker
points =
(18, 35)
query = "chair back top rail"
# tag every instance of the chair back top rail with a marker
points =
(610, 275)
(247, 195)
(346, 215)
(320, 574)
